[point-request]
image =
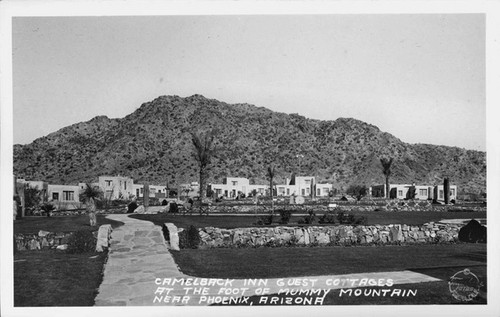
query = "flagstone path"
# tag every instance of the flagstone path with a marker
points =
(138, 258)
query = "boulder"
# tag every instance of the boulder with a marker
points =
(395, 234)
(472, 232)
(43, 233)
(103, 236)
(139, 210)
(174, 236)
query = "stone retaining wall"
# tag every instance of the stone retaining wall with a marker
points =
(41, 240)
(52, 240)
(328, 235)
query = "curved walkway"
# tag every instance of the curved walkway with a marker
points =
(138, 257)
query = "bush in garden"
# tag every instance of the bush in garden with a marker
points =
(47, 208)
(131, 207)
(349, 219)
(81, 241)
(327, 218)
(264, 220)
(189, 238)
(285, 216)
(311, 218)
(173, 207)
(360, 220)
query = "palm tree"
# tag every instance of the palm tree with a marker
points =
(204, 150)
(386, 170)
(270, 173)
(89, 195)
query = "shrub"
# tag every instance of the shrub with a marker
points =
(264, 220)
(327, 218)
(173, 207)
(349, 219)
(360, 220)
(285, 216)
(189, 238)
(81, 241)
(311, 218)
(131, 207)
(164, 202)
(47, 208)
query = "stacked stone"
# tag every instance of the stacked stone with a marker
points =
(42, 240)
(329, 235)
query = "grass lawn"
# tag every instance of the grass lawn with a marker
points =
(56, 278)
(426, 293)
(307, 261)
(60, 224)
(440, 261)
(381, 218)
(429, 293)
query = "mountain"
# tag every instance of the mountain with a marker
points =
(153, 143)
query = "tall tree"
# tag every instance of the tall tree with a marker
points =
(386, 170)
(271, 170)
(357, 191)
(204, 149)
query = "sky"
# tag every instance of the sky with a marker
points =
(420, 77)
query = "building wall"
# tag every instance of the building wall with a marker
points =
(232, 185)
(155, 191)
(64, 193)
(116, 187)
(422, 192)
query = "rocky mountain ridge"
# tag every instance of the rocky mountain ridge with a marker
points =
(153, 144)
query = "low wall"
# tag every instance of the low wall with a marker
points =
(41, 240)
(52, 240)
(328, 235)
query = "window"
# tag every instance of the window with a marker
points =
(55, 196)
(441, 194)
(452, 192)
(303, 192)
(307, 191)
(400, 193)
(68, 195)
(422, 192)
(308, 182)
(318, 192)
(235, 183)
(288, 191)
(142, 190)
(108, 183)
(137, 192)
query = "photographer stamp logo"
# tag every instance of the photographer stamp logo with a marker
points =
(464, 285)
